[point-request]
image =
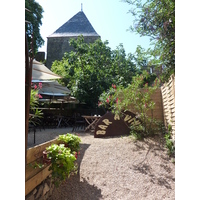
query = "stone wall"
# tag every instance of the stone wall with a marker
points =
(42, 191)
(57, 46)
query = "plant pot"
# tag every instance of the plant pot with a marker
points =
(45, 159)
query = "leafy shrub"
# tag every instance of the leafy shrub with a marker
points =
(137, 95)
(62, 162)
(136, 129)
(169, 143)
(34, 103)
(72, 141)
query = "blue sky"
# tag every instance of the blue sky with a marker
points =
(110, 19)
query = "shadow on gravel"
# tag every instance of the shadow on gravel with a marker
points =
(76, 188)
(154, 146)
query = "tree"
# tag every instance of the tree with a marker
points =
(124, 67)
(142, 61)
(35, 19)
(156, 19)
(92, 68)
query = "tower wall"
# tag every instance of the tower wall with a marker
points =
(57, 46)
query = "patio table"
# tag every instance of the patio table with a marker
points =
(91, 120)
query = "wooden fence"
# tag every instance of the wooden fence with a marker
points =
(168, 98)
(157, 112)
(34, 177)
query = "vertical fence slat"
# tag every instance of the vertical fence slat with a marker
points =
(168, 98)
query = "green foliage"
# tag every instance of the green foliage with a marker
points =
(137, 129)
(39, 165)
(138, 95)
(91, 68)
(34, 103)
(169, 143)
(106, 99)
(141, 58)
(156, 19)
(62, 162)
(72, 141)
(35, 19)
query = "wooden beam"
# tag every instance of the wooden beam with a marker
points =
(36, 152)
(31, 171)
(36, 180)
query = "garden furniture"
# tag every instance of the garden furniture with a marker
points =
(91, 121)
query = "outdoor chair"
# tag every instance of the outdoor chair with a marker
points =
(79, 123)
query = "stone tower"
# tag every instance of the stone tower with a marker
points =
(58, 42)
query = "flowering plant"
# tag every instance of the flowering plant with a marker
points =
(108, 99)
(136, 96)
(34, 103)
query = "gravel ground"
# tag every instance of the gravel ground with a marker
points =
(117, 168)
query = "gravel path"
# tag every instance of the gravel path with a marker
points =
(118, 168)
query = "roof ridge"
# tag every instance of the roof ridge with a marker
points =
(76, 25)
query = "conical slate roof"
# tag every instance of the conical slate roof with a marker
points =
(77, 25)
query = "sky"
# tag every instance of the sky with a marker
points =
(110, 19)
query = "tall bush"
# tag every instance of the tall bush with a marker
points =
(137, 96)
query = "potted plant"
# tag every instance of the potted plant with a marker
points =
(71, 141)
(62, 162)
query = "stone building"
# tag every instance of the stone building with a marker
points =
(58, 42)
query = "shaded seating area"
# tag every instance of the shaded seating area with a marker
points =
(79, 122)
(56, 121)
(58, 107)
(68, 116)
(53, 100)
